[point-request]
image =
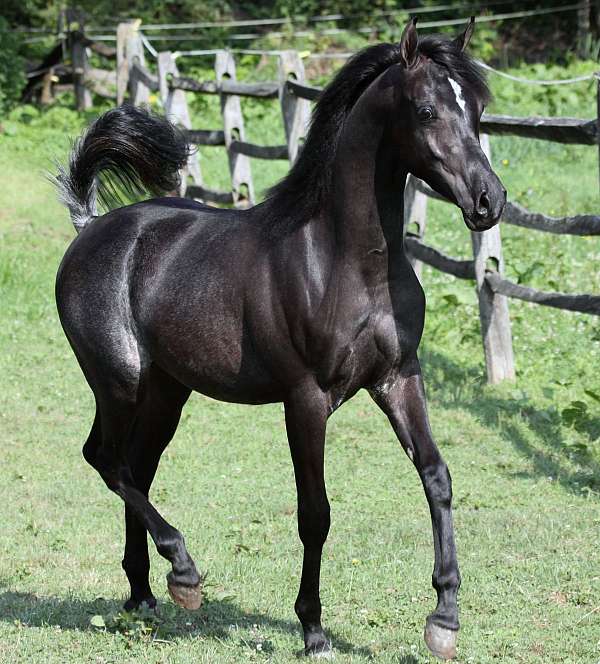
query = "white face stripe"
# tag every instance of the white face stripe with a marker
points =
(458, 93)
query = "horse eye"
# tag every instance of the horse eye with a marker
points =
(425, 114)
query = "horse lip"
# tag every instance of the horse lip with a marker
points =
(476, 223)
(468, 219)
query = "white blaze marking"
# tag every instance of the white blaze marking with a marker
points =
(458, 92)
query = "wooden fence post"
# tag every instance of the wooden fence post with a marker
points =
(79, 60)
(493, 308)
(233, 127)
(295, 111)
(124, 32)
(139, 93)
(415, 212)
(46, 97)
(176, 109)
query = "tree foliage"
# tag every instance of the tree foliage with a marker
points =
(12, 67)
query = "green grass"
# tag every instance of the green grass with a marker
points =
(525, 460)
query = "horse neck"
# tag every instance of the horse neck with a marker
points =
(368, 188)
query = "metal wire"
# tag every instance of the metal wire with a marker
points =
(533, 81)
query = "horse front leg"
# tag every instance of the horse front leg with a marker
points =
(306, 419)
(401, 396)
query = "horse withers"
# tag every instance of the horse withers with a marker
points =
(303, 299)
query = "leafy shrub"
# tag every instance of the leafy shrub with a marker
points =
(12, 67)
(578, 99)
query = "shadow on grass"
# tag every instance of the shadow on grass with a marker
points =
(218, 620)
(546, 424)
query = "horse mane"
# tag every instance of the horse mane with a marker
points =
(301, 194)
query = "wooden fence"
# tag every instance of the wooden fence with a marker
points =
(294, 95)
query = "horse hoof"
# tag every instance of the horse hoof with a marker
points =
(189, 597)
(440, 640)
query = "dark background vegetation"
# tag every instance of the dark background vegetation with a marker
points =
(29, 28)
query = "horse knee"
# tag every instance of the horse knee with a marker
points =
(313, 523)
(89, 452)
(94, 439)
(438, 483)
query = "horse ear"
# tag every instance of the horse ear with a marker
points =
(408, 43)
(462, 41)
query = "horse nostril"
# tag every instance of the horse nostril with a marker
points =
(483, 207)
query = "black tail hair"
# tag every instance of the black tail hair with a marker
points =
(134, 150)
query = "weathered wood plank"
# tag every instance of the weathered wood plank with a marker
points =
(558, 130)
(587, 304)
(206, 136)
(266, 90)
(303, 91)
(102, 82)
(233, 127)
(104, 76)
(415, 214)
(493, 307)
(139, 93)
(176, 109)
(124, 32)
(582, 224)
(294, 110)
(463, 269)
(83, 96)
(259, 151)
(101, 49)
(517, 215)
(198, 192)
(46, 97)
(144, 76)
(424, 188)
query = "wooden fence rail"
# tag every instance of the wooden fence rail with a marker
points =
(268, 90)
(486, 267)
(517, 215)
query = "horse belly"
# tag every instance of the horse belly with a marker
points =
(223, 374)
(208, 348)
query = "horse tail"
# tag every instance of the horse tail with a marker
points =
(134, 150)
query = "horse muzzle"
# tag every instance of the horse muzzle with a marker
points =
(486, 210)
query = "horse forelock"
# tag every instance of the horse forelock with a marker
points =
(461, 66)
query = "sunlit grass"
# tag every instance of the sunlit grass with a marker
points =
(525, 461)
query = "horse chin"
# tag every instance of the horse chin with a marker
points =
(476, 223)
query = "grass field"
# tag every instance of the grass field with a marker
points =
(525, 459)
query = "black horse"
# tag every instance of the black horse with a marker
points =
(303, 299)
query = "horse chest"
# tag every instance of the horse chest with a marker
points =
(374, 329)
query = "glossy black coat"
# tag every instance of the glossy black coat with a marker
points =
(303, 299)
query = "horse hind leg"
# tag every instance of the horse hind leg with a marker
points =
(155, 425)
(119, 400)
